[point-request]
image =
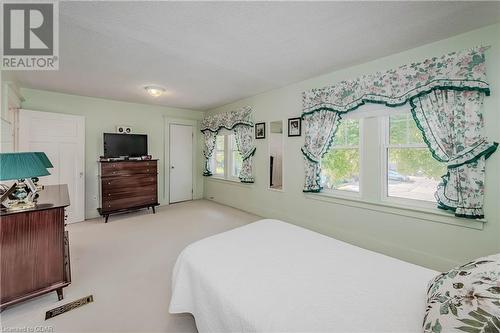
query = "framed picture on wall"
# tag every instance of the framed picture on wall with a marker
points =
(260, 130)
(294, 127)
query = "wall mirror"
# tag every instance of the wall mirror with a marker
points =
(276, 155)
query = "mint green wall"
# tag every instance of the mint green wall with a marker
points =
(103, 115)
(400, 234)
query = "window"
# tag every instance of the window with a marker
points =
(236, 160)
(378, 155)
(341, 165)
(226, 159)
(218, 156)
(411, 171)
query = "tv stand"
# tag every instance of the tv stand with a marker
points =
(127, 185)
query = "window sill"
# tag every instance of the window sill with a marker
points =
(340, 194)
(432, 215)
(228, 181)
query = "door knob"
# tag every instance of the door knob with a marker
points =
(172, 167)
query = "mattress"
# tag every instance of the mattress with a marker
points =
(271, 276)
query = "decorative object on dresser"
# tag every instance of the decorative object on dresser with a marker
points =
(128, 185)
(34, 246)
(22, 167)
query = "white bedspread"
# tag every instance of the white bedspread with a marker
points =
(271, 276)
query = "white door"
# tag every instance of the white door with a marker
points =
(62, 138)
(181, 162)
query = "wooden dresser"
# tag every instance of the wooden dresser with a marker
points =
(34, 248)
(128, 185)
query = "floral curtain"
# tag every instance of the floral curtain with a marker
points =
(395, 87)
(319, 130)
(246, 147)
(228, 120)
(452, 125)
(239, 121)
(446, 95)
(209, 138)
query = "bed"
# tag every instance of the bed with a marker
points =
(272, 276)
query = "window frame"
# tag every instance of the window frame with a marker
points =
(231, 147)
(229, 144)
(385, 145)
(361, 149)
(372, 176)
(213, 159)
(373, 142)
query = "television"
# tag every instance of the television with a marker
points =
(131, 145)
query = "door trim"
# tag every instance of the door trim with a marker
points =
(166, 168)
(184, 126)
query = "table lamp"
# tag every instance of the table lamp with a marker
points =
(46, 163)
(18, 166)
(45, 160)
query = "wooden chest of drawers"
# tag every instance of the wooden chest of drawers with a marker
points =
(34, 248)
(128, 185)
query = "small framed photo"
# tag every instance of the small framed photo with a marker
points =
(294, 127)
(260, 130)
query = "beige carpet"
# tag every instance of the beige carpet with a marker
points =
(127, 265)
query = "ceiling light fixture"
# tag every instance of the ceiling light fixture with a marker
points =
(155, 91)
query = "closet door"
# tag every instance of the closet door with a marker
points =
(62, 138)
(181, 162)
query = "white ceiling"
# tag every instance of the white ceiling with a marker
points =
(208, 54)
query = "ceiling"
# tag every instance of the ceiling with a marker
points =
(207, 54)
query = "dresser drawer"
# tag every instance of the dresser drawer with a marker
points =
(128, 191)
(128, 168)
(130, 202)
(127, 182)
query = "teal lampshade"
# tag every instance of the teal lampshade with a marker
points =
(21, 165)
(45, 160)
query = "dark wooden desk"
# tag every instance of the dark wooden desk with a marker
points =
(34, 248)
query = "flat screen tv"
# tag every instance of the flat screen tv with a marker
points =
(131, 145)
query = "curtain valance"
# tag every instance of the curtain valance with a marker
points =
(446, 95)
(241, 123)
(464, 70)
(228, 120)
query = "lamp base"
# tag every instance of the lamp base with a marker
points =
(16, 205)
